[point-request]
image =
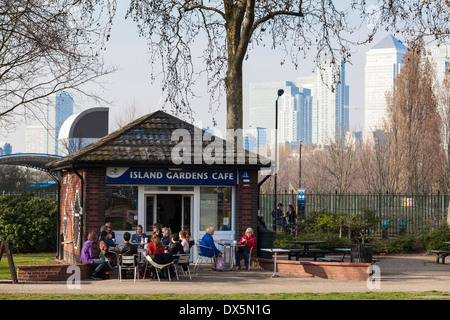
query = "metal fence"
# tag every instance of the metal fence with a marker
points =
(397, 213)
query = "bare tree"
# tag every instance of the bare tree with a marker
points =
(227, 30)
(444, 111)
(47, 47)
(414, 122)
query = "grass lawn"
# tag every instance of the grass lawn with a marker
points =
(429, 295)
(24, 259)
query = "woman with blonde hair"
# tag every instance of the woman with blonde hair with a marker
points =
(248, 241)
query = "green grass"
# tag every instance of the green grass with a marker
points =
(24, 259)
(429, 295)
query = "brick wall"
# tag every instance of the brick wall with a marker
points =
(326, 270)
(50, 272)
(247, 203)
(81, 201)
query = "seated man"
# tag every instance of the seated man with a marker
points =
(127, 249)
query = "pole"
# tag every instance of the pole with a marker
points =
(300, 167)
(274, 219)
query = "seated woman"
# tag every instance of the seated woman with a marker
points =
(208, 241)
(138, 237)
(87, 256)
(107, 250)
(249, 241)
(156, 245)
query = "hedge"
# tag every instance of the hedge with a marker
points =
(28, 223)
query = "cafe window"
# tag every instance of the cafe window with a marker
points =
(121, 207)
(215, 208)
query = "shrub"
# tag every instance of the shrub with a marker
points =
(28, 223)
(434, 239)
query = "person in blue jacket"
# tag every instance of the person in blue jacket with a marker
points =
(208, 241)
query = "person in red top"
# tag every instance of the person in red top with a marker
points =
(249, 241)
(156, 245)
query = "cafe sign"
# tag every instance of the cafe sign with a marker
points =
(168, 176)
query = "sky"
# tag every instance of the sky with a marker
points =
(131, 84)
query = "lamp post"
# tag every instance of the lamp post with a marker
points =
(274, 220)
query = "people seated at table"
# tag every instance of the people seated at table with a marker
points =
(176, 247)
(166, 235)
(208, 247)
(139, 236)
(185, 240)
(107, 250)
(87, 256)
(248, 241)
(156, 245)
(157, 230)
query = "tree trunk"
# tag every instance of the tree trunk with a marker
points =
(234, 97)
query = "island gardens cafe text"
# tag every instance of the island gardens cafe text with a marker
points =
(152, 171)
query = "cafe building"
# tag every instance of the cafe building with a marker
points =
(157, 169)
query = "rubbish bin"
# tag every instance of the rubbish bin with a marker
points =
(265, 240)
(361, 252)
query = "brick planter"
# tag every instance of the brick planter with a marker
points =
(326, 270)
(50, 272)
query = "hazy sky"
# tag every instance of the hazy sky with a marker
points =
(132, 85)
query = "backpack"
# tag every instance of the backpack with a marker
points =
(220, 264)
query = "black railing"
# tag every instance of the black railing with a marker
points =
(396, 213)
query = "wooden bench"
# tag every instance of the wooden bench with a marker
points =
(441, 254)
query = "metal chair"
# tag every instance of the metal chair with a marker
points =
(182, 260)
(158, 267)
(200, 256)
(128, 263)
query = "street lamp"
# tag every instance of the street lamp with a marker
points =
(274, 220)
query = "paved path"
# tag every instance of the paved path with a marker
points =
(406, 273)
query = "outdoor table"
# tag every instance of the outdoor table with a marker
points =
(343, 250)
(306, 244)
(275, 252)
(232, 246)
(306, 252)
(447, 243)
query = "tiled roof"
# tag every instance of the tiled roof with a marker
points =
(145, 141)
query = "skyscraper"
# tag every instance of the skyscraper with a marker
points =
(44, 138)
(262, 109)
(330, 113)
(383, 63)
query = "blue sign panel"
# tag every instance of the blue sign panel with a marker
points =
(165, 176)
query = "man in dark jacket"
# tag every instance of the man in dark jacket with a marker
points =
(127, 249)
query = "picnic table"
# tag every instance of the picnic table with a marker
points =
(441, 254)
(307, 251)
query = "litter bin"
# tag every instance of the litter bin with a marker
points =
(361, 253)
(265, 240)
